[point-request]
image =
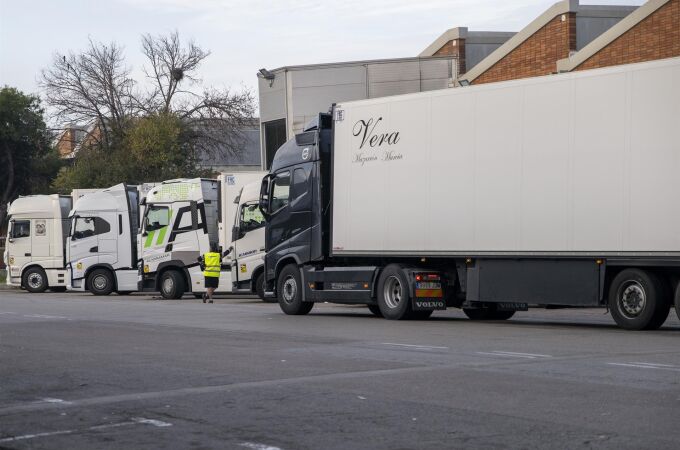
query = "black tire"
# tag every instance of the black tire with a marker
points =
(375, 309)
(289, 292)
(172, 285)
(637, 300)
(677, 301)
(35, 280)
(259, 289)
(100, 282)
(487, 313)
(394, 299)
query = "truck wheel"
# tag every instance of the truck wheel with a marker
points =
(172, 285)
(100, 282)
(259, 289)
(289, 292)
(636, 300)
(375, 309)
(394, 299)
(35, 280)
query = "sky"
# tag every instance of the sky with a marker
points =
(245, 35)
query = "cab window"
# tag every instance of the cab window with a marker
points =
(280, 191)
(20, 229)
(251, 217)
(156, 218)
(89, 226)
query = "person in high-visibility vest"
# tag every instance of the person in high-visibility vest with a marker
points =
(212, 262)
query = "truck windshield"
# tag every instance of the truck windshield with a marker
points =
(156, 218)
(251, 217)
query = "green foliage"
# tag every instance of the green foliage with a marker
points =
(154, 148)
(27, 161)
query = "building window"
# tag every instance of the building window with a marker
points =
(274, 137)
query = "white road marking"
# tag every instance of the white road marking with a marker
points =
(514, 354)
(424, 347)
(256, 446)
(154, 422)
(44, 316)
(7, 312)
(647, 366)
(133, 421)
(53, 400)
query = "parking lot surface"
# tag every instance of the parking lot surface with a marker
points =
(78, 371)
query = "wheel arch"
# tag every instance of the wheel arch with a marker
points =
(179, 266)
(30, 266)
(105, 266)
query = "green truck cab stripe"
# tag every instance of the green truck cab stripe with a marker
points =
(149, 239)
(161, 235)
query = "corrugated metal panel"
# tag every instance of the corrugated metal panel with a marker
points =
(438, 68)
(328, 77)
(398, 71)
(389, 88)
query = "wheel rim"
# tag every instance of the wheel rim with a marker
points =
(289, 289)
(392, 292)
(99, 282)
(632, 300)
(168, 285)
(35, 280)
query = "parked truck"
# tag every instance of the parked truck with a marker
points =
(183, 217)
(34, 250)
(101, 248)
(558, 191)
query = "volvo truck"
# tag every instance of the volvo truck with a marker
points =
(101, 247)
(183, 217)
(557, 191)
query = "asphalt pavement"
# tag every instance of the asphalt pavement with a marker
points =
(78, 371)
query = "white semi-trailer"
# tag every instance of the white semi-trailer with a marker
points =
(559, 191)
(183, 217)
(101, 248)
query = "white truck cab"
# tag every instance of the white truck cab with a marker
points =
(34, 252)
(182, 217)
(245, 238)
(101, 248)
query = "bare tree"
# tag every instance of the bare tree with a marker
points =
(95, 87)
(215, 118)
(92, 87)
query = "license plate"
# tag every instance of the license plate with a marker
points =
(428, 285)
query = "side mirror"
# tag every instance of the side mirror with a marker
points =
(264, 197)
(145, 234)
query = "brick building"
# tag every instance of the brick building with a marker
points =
(562, 30)
(69, 139)
(650, 32)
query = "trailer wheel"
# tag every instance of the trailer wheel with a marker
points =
(636, 300)
(172, 285)
(677, 300)
(375, 309)
(289, 292)
(100, 282)
(394, 298)
(35, 280)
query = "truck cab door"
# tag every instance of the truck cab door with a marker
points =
(107, 227)
(248, 241)
(83, 243)
(40, 240)
(19, 245)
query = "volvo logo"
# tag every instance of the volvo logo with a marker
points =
(305, 153)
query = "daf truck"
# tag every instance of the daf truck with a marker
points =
(101, 247)
(558, 191)
(184, 216)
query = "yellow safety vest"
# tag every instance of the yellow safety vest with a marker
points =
(212, 264)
